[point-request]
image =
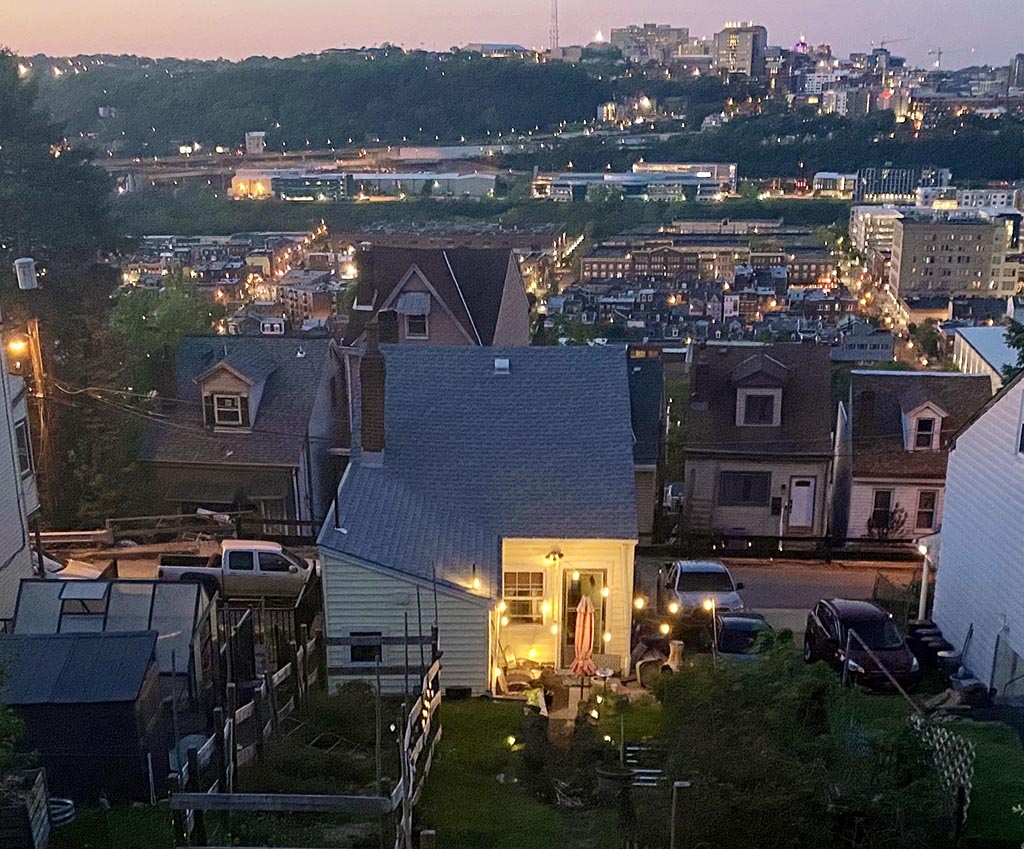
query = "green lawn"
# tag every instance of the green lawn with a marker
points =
(141, 827)
(465, 802)
(998, 782)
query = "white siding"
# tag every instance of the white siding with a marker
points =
(614, 557)
(15, 558)
(981, 560)
(905, 493)
(358, 598)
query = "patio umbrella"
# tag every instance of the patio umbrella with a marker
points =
(583, 663)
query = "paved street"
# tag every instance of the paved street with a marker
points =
(785, 590)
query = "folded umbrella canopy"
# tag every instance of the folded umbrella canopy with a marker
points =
(583, 663)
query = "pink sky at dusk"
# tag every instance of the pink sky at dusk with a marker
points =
(238, 28)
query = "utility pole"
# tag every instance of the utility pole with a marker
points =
(554, 26)
(44, 453)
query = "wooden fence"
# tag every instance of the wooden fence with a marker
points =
(260, 720)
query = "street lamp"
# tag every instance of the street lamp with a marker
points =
(926, 564)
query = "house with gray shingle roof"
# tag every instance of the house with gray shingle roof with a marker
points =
(489, 489)
(252, 427)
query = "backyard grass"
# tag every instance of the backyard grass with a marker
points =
(130, 827)
(464, 800)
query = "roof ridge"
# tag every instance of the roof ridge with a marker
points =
(458, 288)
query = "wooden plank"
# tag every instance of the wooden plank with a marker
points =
(206, 752)
(246, 755)
(244, 712)
(287, 710)
(281, 675)
(366, 671)
(435, 668)
(281, 802)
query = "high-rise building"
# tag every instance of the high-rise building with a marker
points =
(741, 48)
(872, 227)
(1017, 71)
(945, 256)
(651, 42)
(885, 184)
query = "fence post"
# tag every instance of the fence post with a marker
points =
(321, 659)
(195, 786)
(268, 683)
(221, 748)
(296, 673)
(257, 710)
(178, 817)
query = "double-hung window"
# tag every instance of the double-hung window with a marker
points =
(524, 597)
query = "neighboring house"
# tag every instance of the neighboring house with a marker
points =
(251, 427)
(647, 407)
(759, 440)
(978, 600)
(488, 491)
(862, 342)
(19, 497)
(441, 296)
(983, 350)
(892, 441)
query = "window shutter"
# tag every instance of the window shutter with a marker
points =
(208, 420)
(244, 406)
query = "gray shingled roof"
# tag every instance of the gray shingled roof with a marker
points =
(472, 456)
(647, 403)
(74, 668)
(278, 433)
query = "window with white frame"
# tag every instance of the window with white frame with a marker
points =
(925, 431)
(881, 508)
(927, 502)
(524, 597)
(227, 411)
(26, 463)
(416, 327)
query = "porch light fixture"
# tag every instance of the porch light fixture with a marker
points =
(554, 556)
(575, 574)
(605, 592)
(673, 607)
(502, 607)
(504, 621)
(664, 627)
(639, 603)
(476, 580)
(607, 636)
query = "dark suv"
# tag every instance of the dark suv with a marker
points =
(828, 625)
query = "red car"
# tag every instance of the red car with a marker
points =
(828, 626)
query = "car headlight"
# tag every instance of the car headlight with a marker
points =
(914, 665)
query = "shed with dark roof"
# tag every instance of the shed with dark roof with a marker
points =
(92, 710)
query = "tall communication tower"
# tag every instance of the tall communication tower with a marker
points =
(554, 25)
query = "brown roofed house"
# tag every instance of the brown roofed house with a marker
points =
(759, 440)
(892, 443)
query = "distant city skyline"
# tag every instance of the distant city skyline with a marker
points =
(234, 30)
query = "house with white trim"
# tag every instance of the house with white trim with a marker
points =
(488, 490)
(892, 440)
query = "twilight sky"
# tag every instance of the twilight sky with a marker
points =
(237, 28)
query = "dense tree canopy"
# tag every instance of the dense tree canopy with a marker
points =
(52, 201)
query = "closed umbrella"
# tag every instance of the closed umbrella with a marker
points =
(583, 663)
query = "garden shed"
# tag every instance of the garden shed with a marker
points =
(92, 710)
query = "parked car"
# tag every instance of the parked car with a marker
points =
(828, 626)
(692, 582)
(241, 568)
(742, 637)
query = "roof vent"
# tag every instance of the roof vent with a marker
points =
(502, 365)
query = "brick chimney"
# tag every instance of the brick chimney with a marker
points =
(371, 378)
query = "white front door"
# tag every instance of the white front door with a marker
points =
(801, 503)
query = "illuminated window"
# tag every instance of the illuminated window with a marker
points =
(524, 597)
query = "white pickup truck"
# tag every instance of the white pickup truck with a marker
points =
(242, 567)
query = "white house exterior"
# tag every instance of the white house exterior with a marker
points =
(892, 440)
(981, 559)
(19, 498)
(489, 490)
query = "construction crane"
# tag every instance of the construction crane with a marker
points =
(884, 40)
(938, 52)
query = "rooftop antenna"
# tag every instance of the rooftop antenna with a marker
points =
(554, 26)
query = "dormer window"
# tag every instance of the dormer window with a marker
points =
(924, 434)
(227, 410)
(758, 407)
